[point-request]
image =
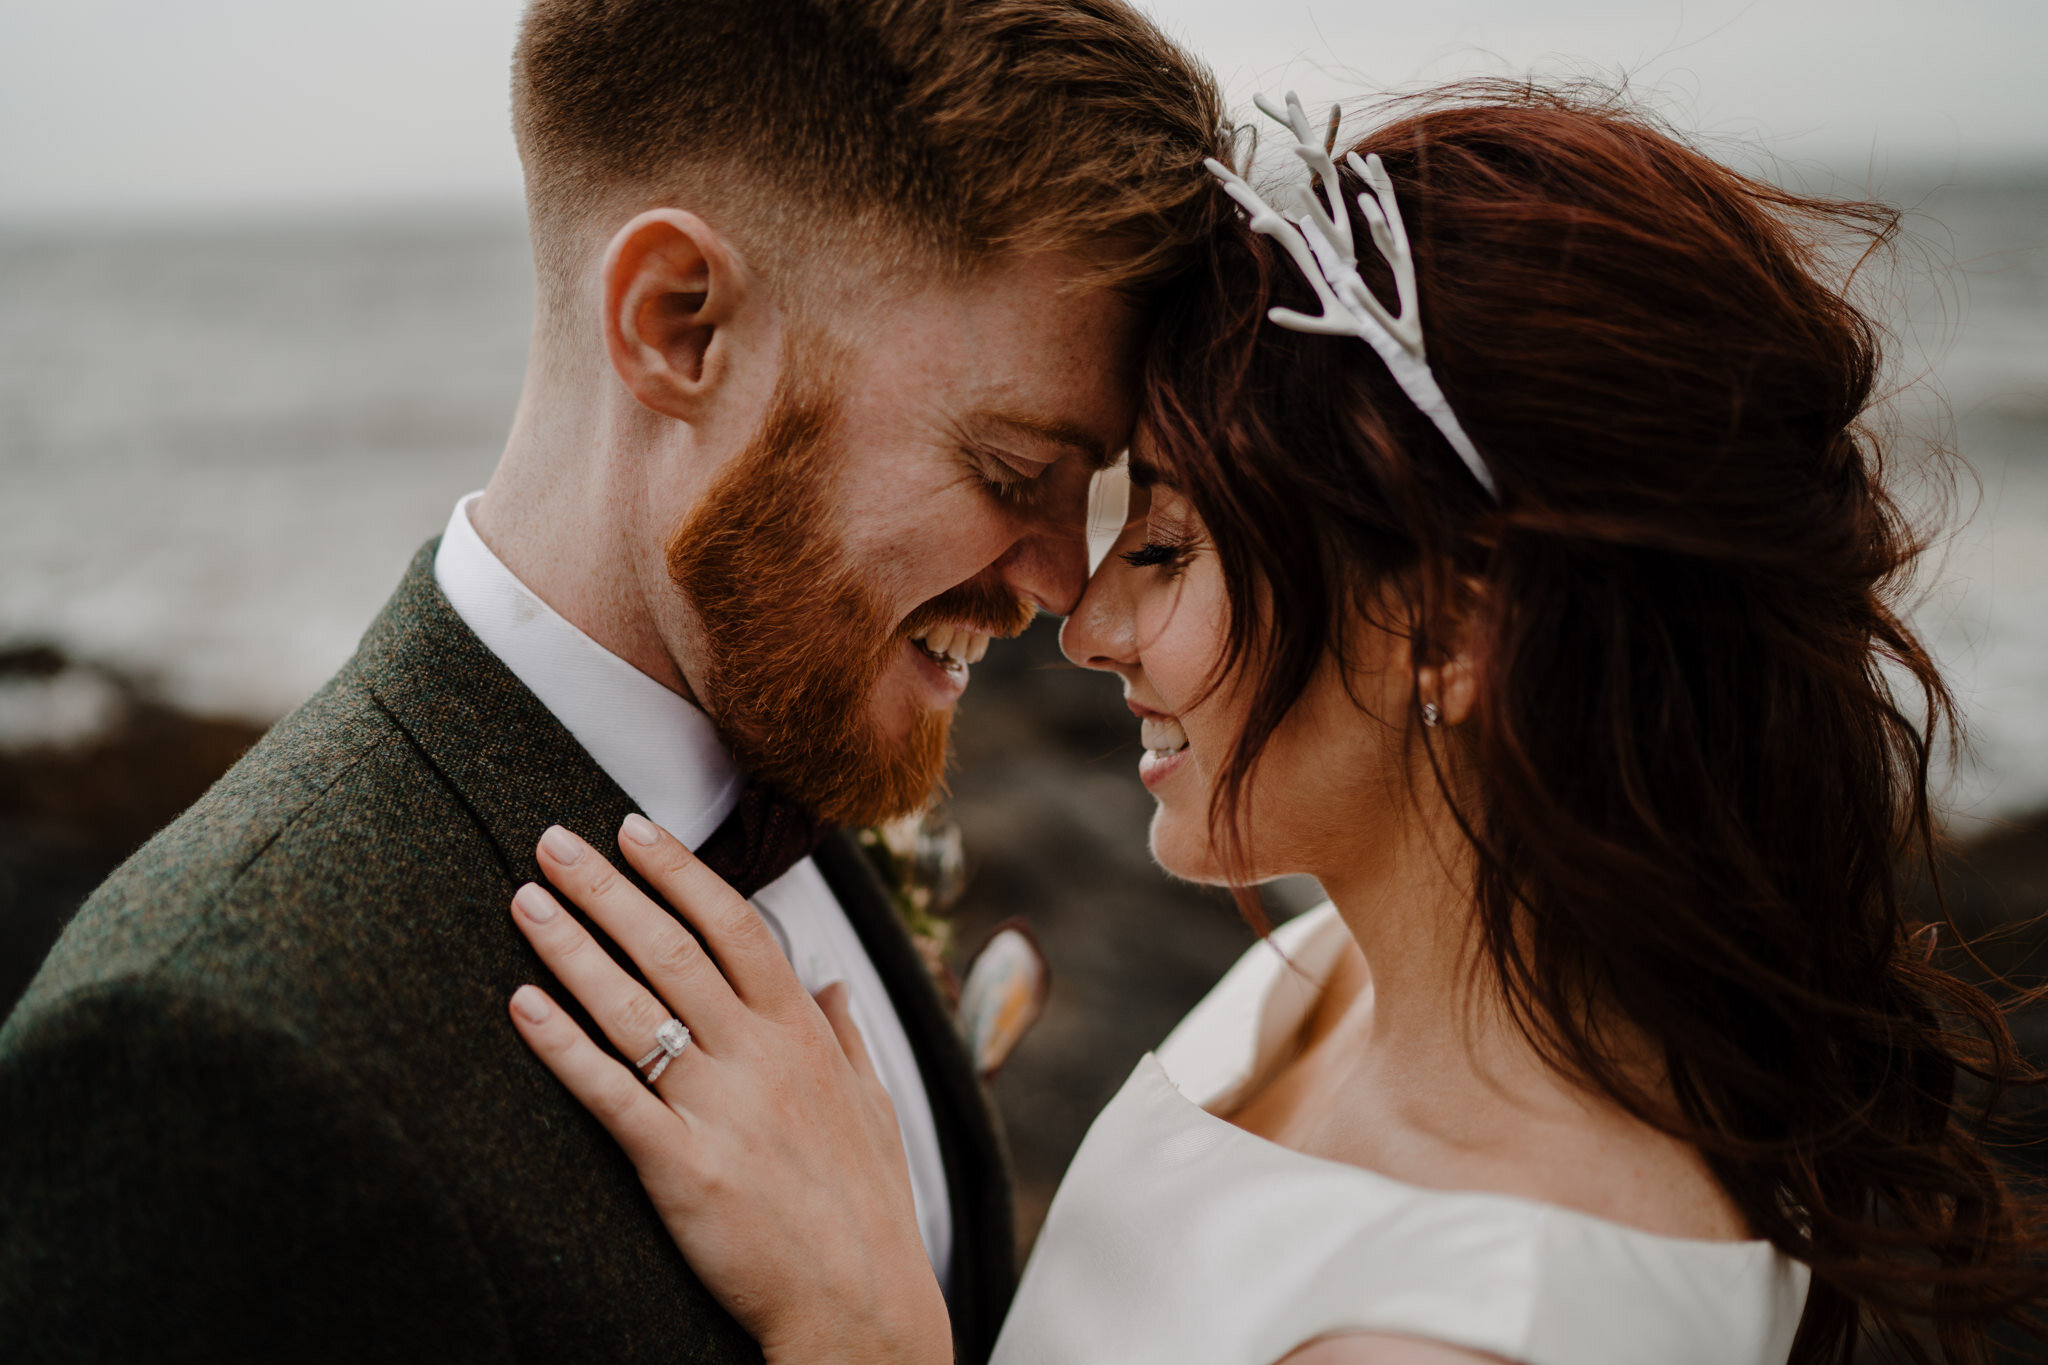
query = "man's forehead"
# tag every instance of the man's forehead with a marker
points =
(1013, 357)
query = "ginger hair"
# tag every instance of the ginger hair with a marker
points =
(921, 135)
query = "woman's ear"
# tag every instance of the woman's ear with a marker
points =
(1452, 681)
(671, 288)
(1451, 684)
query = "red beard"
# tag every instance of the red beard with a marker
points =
(795, 639)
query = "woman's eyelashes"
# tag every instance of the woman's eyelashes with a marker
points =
(1155, 554)
(1172, 532)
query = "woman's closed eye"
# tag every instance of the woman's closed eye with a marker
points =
(1173, 533)
(1164, 553)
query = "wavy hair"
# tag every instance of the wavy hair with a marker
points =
(1698, 768)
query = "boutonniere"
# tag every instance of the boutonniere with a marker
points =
(922, 860)
(923, 863)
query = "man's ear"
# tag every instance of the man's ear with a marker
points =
(671, 289)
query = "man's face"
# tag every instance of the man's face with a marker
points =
(901, 502)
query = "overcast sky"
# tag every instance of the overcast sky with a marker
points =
(142, 107)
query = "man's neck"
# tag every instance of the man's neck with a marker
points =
(558, 513)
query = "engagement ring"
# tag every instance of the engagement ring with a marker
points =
(669, 1041)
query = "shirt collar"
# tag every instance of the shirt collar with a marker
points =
(664, 752)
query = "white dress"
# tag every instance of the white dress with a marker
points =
(1179, 1238)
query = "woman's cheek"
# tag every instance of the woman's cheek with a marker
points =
(1183, 627)
(1183, 842)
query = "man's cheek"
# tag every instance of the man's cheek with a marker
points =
(910, 562)
(969, 544)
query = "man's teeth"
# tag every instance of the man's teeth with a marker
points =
(1162, 735)
(955, 646)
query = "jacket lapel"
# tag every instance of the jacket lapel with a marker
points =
(519, 770)
(515, 766)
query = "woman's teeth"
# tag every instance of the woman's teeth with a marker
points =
(953, 646)
(1162, 736)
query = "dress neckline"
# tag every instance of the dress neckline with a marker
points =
(1228, 1044)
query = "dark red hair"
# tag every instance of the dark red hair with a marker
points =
(1701, 751)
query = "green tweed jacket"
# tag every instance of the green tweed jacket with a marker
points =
(263, 1101)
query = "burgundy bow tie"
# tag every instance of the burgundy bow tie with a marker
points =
(765, 835)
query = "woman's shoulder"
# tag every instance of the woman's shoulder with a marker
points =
(1248, 1022)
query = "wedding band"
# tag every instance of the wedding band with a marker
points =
(669, 1041)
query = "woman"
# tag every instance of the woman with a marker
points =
(1554, 631)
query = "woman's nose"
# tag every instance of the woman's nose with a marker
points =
(1100, 632)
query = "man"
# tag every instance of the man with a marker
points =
(838, 306)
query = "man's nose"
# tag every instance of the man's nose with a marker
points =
(1048, 566)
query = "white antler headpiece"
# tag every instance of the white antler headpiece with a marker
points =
(1319, 242)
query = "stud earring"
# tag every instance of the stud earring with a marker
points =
(1430, 715)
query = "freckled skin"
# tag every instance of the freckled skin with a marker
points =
(973, 414)
(918, 516)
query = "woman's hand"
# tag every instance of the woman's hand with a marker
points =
(768, 1145)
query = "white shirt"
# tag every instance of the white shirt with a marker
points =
(667, 756)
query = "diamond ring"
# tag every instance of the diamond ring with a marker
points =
(669, 1041)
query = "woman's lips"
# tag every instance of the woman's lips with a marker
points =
(1166, 746)
(1162, 733)
(1155, 767)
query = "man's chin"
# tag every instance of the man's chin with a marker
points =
(867, 779)
(907, 774)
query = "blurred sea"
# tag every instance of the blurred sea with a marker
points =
(220, 444)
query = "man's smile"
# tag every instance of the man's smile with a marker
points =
(943, 678)
(953, 647)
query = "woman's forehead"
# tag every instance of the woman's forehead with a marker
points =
(1147, 460)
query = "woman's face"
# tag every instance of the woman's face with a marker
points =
(1330, 783)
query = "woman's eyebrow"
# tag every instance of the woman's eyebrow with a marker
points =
(1144, 474)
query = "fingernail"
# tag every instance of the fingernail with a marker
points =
(564, 847)
(532, 1004)
(534, 903)
(640, 829)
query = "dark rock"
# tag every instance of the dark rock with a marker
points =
(70, 813)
